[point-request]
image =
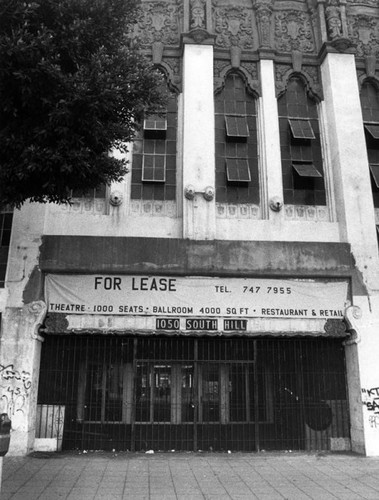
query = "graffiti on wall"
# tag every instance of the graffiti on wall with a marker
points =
(15, 388)
(370, 399)
(374, 421)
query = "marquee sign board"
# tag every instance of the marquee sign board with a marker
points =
(195, 297)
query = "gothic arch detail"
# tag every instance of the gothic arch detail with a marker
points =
(247, 71)
(283, 73)
(171, 70)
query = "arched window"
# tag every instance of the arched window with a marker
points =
(237, 179)
(154, 155)
(303, 176)
(370, 113)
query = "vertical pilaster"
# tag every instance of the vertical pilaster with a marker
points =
(271, 181)
(356, 218)
(348, 154)
(20, 351)
(199, 211)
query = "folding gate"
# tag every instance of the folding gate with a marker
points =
(183, 393)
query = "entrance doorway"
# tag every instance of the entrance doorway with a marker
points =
(184, 393)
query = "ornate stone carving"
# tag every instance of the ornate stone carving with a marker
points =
(353, 315)
(56, 323)
(293, 31)
(333, 20)
(158, 22)
(335, 328)
(197, 15)
(364, 32)
(251, 68)
(233, 26)
(263, 12)
(172, 68)
(36, 312)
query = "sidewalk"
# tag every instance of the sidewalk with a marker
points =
(190, 476)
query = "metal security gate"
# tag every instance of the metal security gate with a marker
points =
(182, 393)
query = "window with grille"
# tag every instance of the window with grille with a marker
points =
(154, 155)
(370, 113)
(5, 237)
(237, 177)
(302, 170)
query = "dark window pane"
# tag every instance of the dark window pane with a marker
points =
(154, 168)
(301, 129)
(373, 129)
(237, 170)
(306, 170)
(375, 173)
(236, 126)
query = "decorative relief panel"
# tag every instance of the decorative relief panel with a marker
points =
(306, 213)
(233, 26)
(155, 208)
(245, 211)
(263, 12)
(158, 22)
(197, 15)
(364, 33)
(293, 31)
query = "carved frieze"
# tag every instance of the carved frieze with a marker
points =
(370, 3)
(158, 22)
(293, 31)
(364, 32)
(233, 27)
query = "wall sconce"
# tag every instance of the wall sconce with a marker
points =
(190, 192)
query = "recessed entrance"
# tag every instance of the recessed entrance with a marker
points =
(182, 393)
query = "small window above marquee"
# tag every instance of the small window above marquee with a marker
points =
(237, 170)
(301, 129)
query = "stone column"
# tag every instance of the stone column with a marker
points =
(355, 214)
(20, 350)
(272, 184)
(199, 207)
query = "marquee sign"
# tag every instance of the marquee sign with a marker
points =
(195, 297)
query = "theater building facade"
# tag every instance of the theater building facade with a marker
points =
(224, 296)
